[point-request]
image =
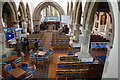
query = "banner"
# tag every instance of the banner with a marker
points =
(51, 18)
(9, 33)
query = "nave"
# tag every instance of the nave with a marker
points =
(48, 69)
(52, 39)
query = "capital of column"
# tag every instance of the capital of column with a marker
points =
(16, 24)
(86, 32)
(23, 20)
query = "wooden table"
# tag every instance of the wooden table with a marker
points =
(17, 72)
(40, 53)
(12, 57)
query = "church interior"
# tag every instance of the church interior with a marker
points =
(56, 40)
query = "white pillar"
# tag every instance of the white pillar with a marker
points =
(77, 32)
(85, 41)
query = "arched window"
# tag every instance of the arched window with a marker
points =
(103, 19)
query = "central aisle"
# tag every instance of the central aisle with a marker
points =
(48, 38)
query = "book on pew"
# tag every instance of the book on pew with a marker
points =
(86, 59)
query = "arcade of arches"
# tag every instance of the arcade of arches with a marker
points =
(69, 41)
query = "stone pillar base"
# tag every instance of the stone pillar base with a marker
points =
(84, 57)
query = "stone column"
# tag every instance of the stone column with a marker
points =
(29, 25)
(24, 26)
(85, 41)
(16, 24)
(72, 31)
(3, 48)
(77, 32)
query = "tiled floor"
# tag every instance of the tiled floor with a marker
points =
(41, 71)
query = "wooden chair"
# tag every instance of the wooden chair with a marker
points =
(8, 68)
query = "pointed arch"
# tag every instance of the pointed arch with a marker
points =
(28, 11)
(75, 10)
(43, 5)
(78, 13)
(13, 9)
(90, 10)
(28, 18)
(22, 10)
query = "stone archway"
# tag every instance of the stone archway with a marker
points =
(14, 21)
(36, 14)
(78, 13)
(28, 18)
(44, 4)
(77, 19)
(90, 9)
(22, 8)
(13, 12)
(22, 17)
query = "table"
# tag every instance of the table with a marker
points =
(17, 72)
(12, 57)
(40, 53)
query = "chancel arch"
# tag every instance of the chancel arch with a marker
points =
(36, 14)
